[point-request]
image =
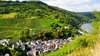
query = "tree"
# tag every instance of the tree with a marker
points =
(17, 52)
(97, 14)
(4, 49)
(44, 36)
(26, 35)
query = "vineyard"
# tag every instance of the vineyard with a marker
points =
(13, 27)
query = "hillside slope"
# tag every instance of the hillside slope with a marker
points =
(18, 16)
(89, 14)
(92, 50)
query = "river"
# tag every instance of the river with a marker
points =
(87, 27)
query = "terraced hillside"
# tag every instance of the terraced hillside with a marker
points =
(18, 16)
(13, 27)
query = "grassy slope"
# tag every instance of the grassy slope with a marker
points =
(80, 45)
(13, 27)
(7, 16)
(92, 50)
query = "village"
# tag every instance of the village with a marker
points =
(37, 47)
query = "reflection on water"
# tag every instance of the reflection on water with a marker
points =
(87, 27)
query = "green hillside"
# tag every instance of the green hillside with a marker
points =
(18, 16)
(13, 27)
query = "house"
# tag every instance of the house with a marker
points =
(4, 42)
(31, 52)
(7, 55)
(69, 39)
(81, 32)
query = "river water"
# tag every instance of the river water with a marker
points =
(87, 27)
